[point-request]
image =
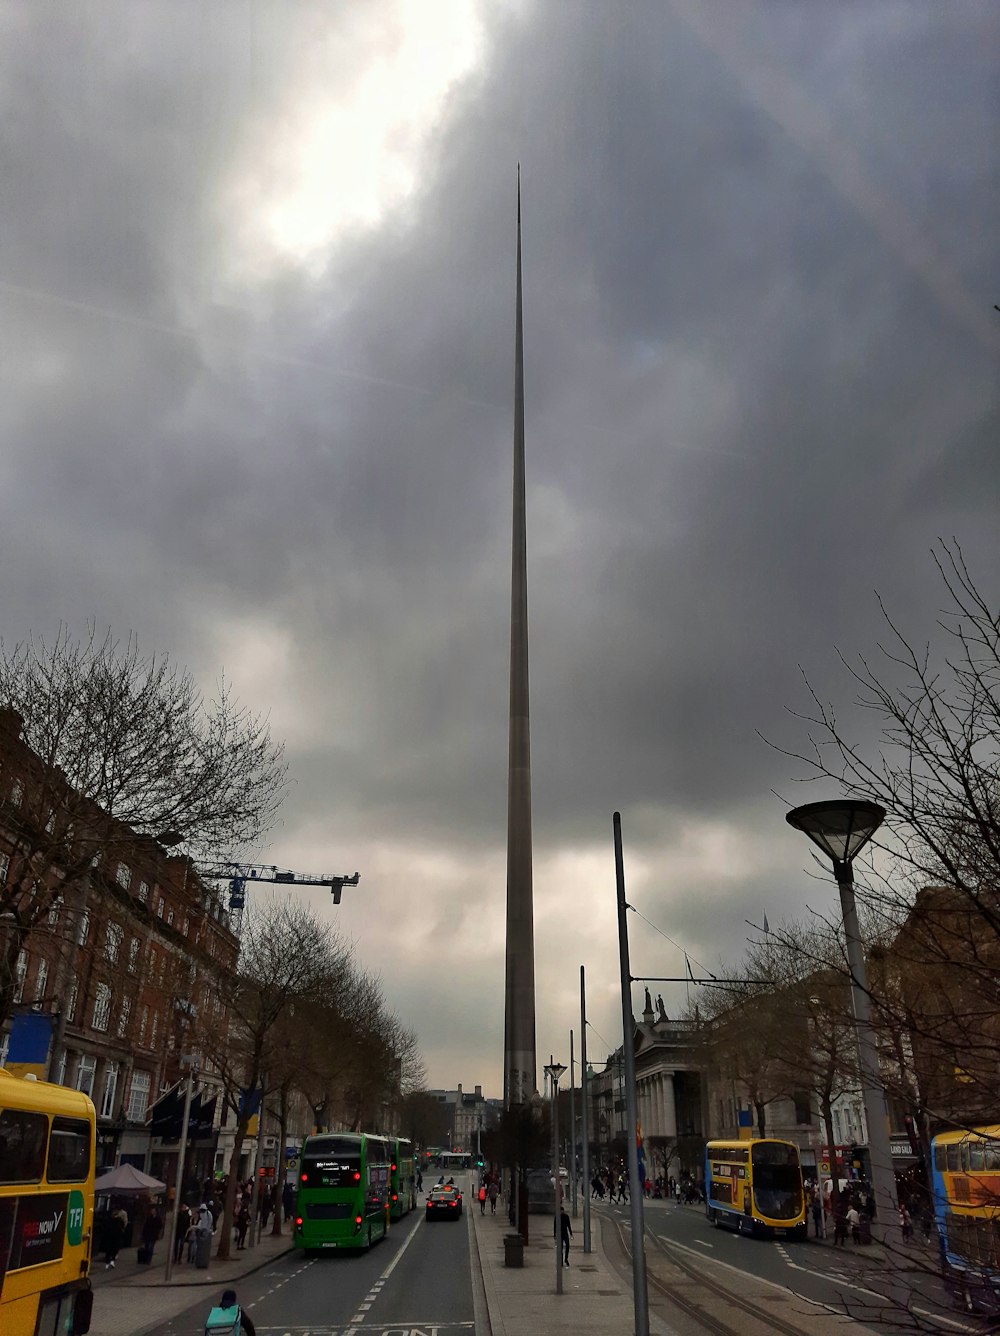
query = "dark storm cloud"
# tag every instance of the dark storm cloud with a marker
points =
(757, 239)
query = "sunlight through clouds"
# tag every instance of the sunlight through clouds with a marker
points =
(346, 145)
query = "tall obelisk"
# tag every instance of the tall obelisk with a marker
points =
(519, 1020)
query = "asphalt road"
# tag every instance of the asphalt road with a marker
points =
(884, 1291)
(415, 1280)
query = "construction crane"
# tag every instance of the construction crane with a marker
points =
(238, 874)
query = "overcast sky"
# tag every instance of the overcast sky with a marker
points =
(257, 305)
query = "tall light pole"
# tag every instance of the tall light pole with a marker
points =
(640, 1292)
(553, 1071)
(586, 1114)
(841, 828)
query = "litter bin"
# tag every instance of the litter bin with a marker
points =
(513, 1250)
(203, 1254)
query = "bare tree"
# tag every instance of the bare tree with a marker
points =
(100, 743)
(934, 765)
(288, 959)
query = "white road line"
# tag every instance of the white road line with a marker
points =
(702, 1244)
(395, 1261)
(948, 1321)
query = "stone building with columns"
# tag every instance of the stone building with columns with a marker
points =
(670, 1084)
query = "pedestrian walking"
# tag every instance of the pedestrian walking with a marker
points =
(180, 1230)
(117, 1231)
(242, 1224)
(817, 1215)
(839, 1227)
(906, 1222)
(482, 1199)
(854, 1224)
(565, 1231)
(287, 1200)
(152, 1228)
(420, 1181)
(493, 1194)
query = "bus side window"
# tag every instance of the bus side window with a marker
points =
(954, 1158)
(22, 1146)
(69, 1151)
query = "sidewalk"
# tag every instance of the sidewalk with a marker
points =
(132, 1299)
(522, 1300)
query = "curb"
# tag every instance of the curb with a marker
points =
(210, 1281)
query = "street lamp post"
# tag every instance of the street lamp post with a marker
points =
(553, 1071)
(841, 828)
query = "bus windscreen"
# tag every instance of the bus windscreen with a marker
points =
(777, 1180)
(334, 1165)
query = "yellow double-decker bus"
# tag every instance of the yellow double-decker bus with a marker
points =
(755, 1187)
(46, 1208)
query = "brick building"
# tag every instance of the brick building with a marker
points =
(124, 957)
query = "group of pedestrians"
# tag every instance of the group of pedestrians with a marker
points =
(611, 1181)
(489, 1191)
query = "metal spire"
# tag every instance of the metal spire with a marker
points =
(519, 1021)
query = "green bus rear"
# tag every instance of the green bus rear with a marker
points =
(402, 1182)
(343, 1192)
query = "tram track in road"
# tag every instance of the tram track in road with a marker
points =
(709, 1303)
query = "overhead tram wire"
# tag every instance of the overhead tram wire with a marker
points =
(712, 980)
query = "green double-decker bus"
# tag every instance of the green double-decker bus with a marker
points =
(402, 1180)
(343, 1192)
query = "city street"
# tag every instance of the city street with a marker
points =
(418, 1279)
(850, 1280)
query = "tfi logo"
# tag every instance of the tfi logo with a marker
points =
(42, 1229)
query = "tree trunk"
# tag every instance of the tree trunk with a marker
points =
(282, 1168)
(229, 1190)
(827, 1109)
(761, 1108)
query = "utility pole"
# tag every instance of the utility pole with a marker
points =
(640, 1293)
(186, 1061)
(586, 1128)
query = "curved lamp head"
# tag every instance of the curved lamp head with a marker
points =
(841, 828)
(554, 1071)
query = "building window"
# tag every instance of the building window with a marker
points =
(85, 1073)
(41, 979)
(123, 1017)
(108, 1092)
(143, 1018)
(113, 941)
(803, 1111)
(102, 1007)
(153, 1029)
(184, 928)
(123, 876)
(159, 907)
(133, 954)
(138, 1097)
(4, 867)
(17, 793)
(143, 891)
(170, 917)
(54, 915)
(84, 928)
(20, 970)
(60, 1075)
(74, 992)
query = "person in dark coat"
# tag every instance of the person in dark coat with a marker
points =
(565, 1230)
(288, 1200)
(152, 1228)
(180, 1230)
(116, 1232)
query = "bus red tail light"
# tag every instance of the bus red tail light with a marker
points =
(304, 1178)
(357, 1177)
(394, 1197)
(393, 1167)
(298, 1222)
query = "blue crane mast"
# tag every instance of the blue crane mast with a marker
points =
(238, 874)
